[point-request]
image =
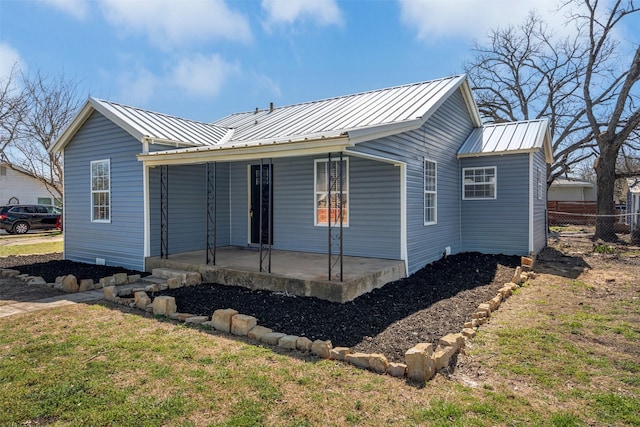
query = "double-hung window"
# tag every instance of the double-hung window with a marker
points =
(479, 183)
(101, 191)
(430, 192)
(331, 193)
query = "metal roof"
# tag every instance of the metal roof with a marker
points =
(503, 138)
(569, 182)
(162, 128)
(341, 115)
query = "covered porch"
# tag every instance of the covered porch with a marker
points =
(296, 273)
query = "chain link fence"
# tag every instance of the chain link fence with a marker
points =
(626, 226)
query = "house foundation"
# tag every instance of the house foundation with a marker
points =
(295, 273)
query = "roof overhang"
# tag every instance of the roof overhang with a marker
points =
(246, 152)
(92, 105)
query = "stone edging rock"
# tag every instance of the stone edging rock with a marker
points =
(422, 361)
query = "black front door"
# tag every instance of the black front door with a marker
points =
(261, 206)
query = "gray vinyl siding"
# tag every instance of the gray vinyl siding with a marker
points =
(437, 140)
(539, 205)
(119, 242)
(499, 225)
(187, 193)
(374, 208)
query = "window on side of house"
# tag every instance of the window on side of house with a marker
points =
(479, 183)
(101, 191)
(430, 192)
(540, 184)
(3, 171)
(327, 204)
(44, 200)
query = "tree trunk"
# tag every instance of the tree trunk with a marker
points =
(606, 177)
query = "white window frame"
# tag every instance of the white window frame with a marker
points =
(539, 184)
(316, 192)
(98, 191)
(494, 183)
(432, 191)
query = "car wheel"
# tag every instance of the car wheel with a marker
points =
(20, 227)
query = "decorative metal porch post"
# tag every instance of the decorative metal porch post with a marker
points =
(331, 225)
(265, 253)
(211, 213)
(164, 211)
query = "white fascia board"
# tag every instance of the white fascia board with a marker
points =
(497, 153)
(374, 157)
(380, 131)
(471, 103)
(221, 154)
(73, 127)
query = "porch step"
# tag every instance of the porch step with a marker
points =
(154, 279)
(167, 273)
(178, 277)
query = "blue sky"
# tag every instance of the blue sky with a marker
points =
(205, 59)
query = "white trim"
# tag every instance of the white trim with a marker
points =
(147, 212)
(248, 204)
(425, 192)
(250, 153)
(531, 203)
(403, 217)
(345, 223)
(91, 192)
(495, 183)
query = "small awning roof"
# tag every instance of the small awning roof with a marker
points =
(509, 138)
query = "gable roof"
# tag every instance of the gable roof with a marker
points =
(360, 114)
(509, 138)
(146, 125)
(326, 125)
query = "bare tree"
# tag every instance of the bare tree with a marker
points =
(584, 84)
(13, 107)
(610, 103)
(527, 72)
(46, 107)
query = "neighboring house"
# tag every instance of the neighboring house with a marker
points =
(18, 187)
(572, 190)
(421, 177)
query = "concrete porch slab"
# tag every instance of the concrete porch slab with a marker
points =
(297, 273)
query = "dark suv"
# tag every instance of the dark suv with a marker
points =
(18, 219)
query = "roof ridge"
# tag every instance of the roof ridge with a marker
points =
(316, 101)
(119, 104)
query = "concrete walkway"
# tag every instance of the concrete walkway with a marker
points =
(52, 302)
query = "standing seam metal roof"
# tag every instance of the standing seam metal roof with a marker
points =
(503, 137)
(163, 127)
(341, 114)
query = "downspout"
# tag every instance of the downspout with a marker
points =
(403, 217)
(146, 223)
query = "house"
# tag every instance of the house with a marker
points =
(407, 173)
(572, 190)
(18, 187)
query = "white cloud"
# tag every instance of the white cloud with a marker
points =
(322, 12)
(202, 75)
(438, 19)
(170, 23)
(10, 60)
(138, 87)
(79, 9)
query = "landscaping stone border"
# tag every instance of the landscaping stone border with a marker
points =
(422, 361)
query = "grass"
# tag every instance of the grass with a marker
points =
(43, 247)
(557, 359)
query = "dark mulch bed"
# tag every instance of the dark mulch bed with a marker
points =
(50, 266)
(433, 302)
